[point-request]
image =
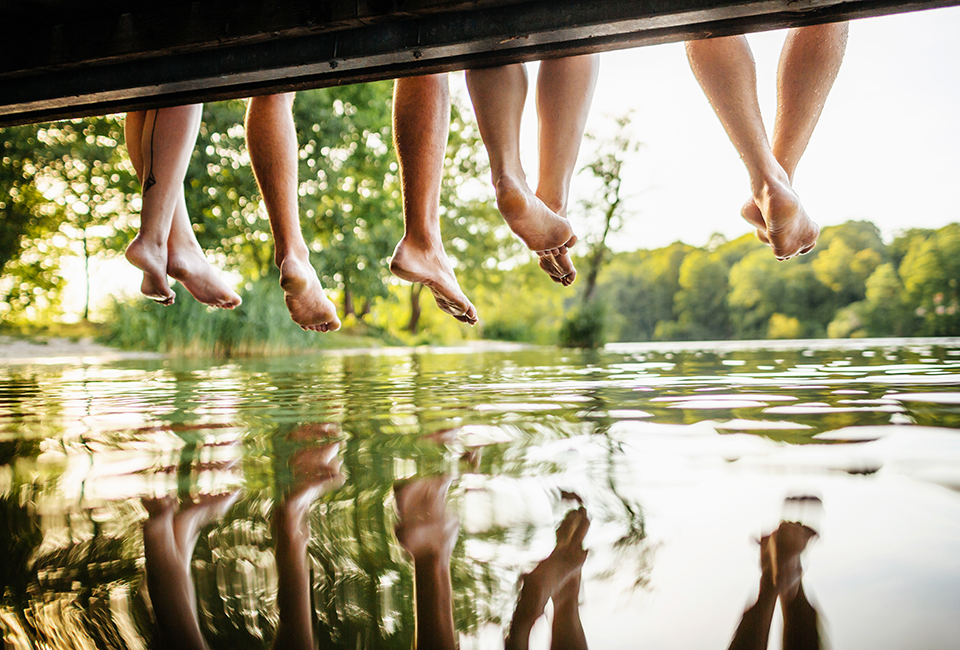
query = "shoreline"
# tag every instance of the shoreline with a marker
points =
(15, 351)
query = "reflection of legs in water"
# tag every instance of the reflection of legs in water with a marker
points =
(316, 471)
(557, 577)
(428, 532)
(421, 119)
(168, 540)
(781, 576)
(809, 64)
(159, 143)
(564, 93)
(272, 142)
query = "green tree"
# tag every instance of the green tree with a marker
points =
(67, 191)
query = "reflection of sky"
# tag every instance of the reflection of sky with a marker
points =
(885, 572)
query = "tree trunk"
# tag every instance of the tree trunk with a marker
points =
(347, 302)
(86, 275)
(367, 306)
(415, 291)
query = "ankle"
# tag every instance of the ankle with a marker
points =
(422, 240)
(297, 254)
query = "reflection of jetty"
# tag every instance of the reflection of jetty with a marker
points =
(65, 59)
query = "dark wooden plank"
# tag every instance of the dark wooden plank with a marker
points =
(198, 51)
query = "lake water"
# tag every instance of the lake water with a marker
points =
(686, 458)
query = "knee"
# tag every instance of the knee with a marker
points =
(277, 101)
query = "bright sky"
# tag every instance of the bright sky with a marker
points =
(887, 147)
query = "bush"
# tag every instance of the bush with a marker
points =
(585, 326)
(260, 326)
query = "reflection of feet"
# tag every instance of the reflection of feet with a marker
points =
(558, 576)
(542, 230)
(188, 522)
(190, 268)
(317, 471)
(153, 262)
(424, 526)
(431, 268)
(780, 556)
(787, 228)
(308, 304)
(185, 525)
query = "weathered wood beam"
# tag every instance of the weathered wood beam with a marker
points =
(175, 52)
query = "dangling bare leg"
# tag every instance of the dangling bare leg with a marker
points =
(272, 142)
(421, 120)
(809, 64)
(168, 541)
(161, 142)
(318, 471)
(185, 261)
(564, 94)
(498, 96)
(428, 532)
(726, 72)
(551, 579)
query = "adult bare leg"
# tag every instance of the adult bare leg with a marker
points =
(809, 63)
(161, 142)
(272, 142)
(726, 72)
(421, 120)
(498, 95)
(564, 93)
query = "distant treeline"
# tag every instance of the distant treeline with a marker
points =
(851, 285)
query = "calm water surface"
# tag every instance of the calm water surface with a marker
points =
(686, 458)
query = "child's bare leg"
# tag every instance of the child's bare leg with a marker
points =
(161, 141)
(421, 120)
(809, 64)
(564, 94)
(498, 96)
(549, 579)
(428, 532)
(726, 72)
(187, 264)
(272, 142)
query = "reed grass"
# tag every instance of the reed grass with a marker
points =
(261, 326)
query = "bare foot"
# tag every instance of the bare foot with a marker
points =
(751, 213)
(188, 522)
(784, 547)
(550, 578)
(190, 268)
(424, 526)
(543, 231)
(152, 261)
(431, 268)
(308, 304)
(790, 232)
